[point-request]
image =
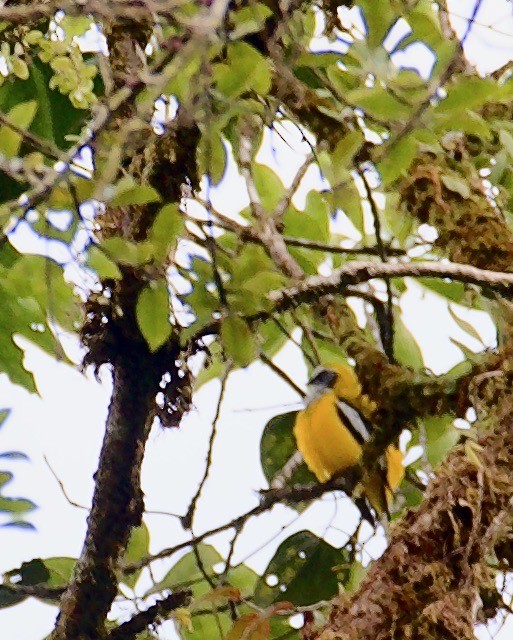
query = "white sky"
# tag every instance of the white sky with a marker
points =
(65, 423)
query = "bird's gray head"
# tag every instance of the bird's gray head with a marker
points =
(323, 379)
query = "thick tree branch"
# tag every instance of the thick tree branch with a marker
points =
(427, 584)
(357, 272)
(117, 502)
(131, 628)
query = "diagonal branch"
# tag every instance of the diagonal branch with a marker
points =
(265, 228)
(357, 272)
(188, 518)
(130, 629)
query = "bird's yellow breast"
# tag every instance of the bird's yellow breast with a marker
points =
(326, 446)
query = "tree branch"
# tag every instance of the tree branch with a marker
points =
(291, 495)
(357, 272)
(188, 518)
(427, 584)
(131, 628)
(117, 501)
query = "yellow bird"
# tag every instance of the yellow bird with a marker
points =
(332, 429)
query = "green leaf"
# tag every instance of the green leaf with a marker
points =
(378, 16)
(125, 252)
(184, 84)
(20, 68)
(11, 362)
(249, 627)
(263, 283)
(466, 120)
(53, 107)
(506, 140)
(406, 350)
(186, 572)
(341, 81)
(53, 573)
(152, 313)
(468, 93)
(251, 296)
(452, 290)
(104, 267)
(412, 495)
(310, 224)
(425, 24)
(302, 568)
(16, 505)
(347, 198)
(463, 368)
(4, 414)
(343, 154)
(20, 115)
(246, 70)
(457, 184)
(14, 455)
(211, 155)
(465, 326)
(75, 25)
(249, 19)
(34, 295)
(138, 547)
(269, 186)
(203, 304)
(167, 227)
(396, 221)
(277, 445)
(10, 597)
(30, 573)
(379, 103)
(398, 159)
(39, 291)
(60, 570)
(441, 436)
(238, 340)
(243, 578)
(128, 192)
(272, 338)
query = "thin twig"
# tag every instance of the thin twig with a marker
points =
(307, 332)
(386, 328)
(39, 144)
(201, 567)
(289, 495)
(265, 227)
(283, 476)
(471, 21)
(292, 339)
(210, 239)
(188, 518)
(223, 577)
(249, 234)
(61, 487)
(279, 372)
(227, 567)
(282, 205)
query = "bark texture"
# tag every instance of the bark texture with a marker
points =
(117, 501)
(431, 580)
